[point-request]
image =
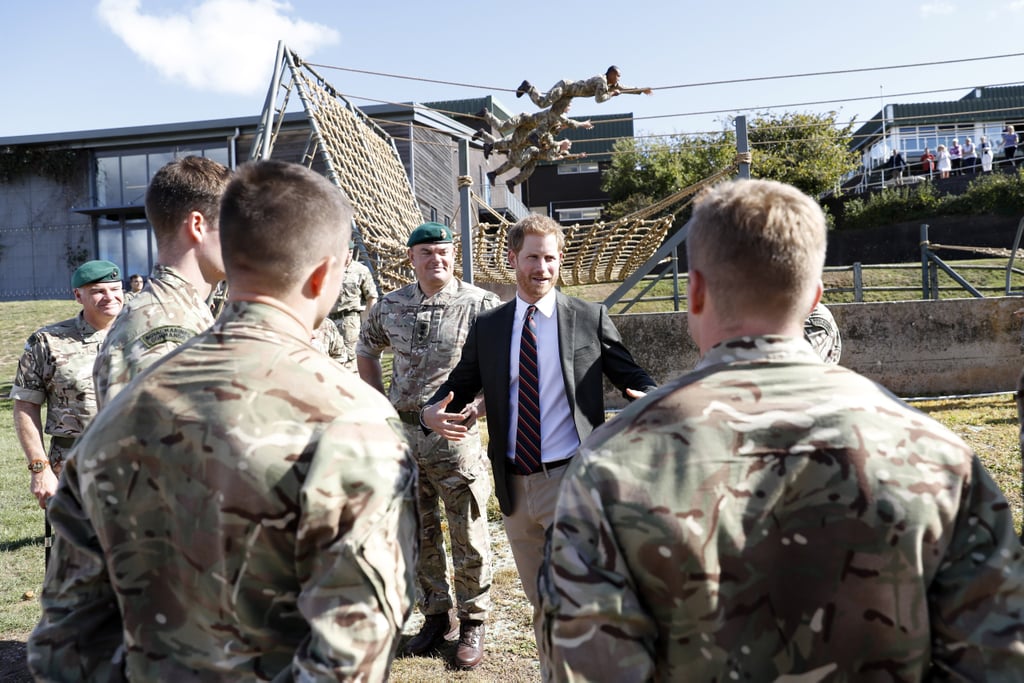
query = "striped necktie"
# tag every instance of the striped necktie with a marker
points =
(528, 425)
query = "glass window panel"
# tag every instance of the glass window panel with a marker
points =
(108, 181)
(137, 259)
(218, 154)
(134, 178)
(156, 162)
(109, 244)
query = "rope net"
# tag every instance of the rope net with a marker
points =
(361, 158)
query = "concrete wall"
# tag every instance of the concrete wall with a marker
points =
(915, 348)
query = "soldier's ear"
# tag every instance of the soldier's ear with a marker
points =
(321, 275)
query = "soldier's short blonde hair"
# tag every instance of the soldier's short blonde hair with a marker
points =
(760, 245)
(535, 224)
(277, 219)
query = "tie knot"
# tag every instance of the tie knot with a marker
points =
(530, 310)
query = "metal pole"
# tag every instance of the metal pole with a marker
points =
(923, 243)
(742, 146)
(858, 282)
(465, 213)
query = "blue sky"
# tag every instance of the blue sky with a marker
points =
(83, 65)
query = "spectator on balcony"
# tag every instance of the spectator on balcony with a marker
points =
(898, 166)
(927, 162)
(1010, 146)
(956, 156)
(943, 161)
(970, 162)
(986, 154)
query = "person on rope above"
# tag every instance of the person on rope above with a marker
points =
(601, 87)
(526, 159)
(518, 128)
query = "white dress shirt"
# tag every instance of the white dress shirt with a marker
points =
(558, 436)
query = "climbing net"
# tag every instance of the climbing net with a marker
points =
(599, 252)
(360, 158)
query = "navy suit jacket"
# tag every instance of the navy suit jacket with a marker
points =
(589, 346)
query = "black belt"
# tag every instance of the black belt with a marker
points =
(63, 441)
(545, 466)
(409, 417)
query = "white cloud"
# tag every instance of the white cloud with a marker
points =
(222, 46)
(1016, 6)
(929, 9)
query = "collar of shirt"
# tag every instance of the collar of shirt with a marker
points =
(765, 348)
(546, 306)
(87, 331)
(443, 295)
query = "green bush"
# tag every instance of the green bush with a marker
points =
(993, 193)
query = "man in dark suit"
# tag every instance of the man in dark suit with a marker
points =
(534, 425)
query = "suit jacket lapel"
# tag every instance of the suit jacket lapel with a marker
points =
(502, 345)
(566, 346)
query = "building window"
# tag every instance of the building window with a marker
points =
(581, 167)
(585, 213)
(122, 176)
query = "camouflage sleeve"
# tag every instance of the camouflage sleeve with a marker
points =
(356, 551)
(79, 636)
(34, 371)
(373, 338)
(369, 289)
(977, 598)
(593, 625)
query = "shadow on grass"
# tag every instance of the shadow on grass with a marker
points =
(11, 546)
(13, 667)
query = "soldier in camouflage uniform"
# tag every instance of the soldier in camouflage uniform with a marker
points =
(425, 324)
(135, 284)
(822, 333)
(56, 369)
(602, 88)
(358, 293)
(327, 339)
(182, 203)
(768, 516)
(518, 130)
(245, 510)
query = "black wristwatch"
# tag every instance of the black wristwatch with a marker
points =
(38, 466)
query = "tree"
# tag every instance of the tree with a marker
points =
(809, 151)
(644, 170)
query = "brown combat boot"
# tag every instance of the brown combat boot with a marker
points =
(436, 629)
(471, 645)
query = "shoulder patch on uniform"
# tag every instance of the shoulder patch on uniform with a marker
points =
(168, 334)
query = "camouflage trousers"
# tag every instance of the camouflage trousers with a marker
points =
(563, 89)
(348, 325)
(455, 475)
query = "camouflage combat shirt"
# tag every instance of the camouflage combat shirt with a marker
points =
(165, 314)
(244, 511)
(425, 333)
(769, 515)
(356, 287)
(327, 339)
(56, 370)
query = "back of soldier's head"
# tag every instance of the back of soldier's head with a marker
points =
(277, 219)
(760, 245)
(180, 187)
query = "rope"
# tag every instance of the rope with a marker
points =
(361, 158)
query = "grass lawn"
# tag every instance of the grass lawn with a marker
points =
(989, 424)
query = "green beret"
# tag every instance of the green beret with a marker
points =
(430, 232)
(95, 271)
